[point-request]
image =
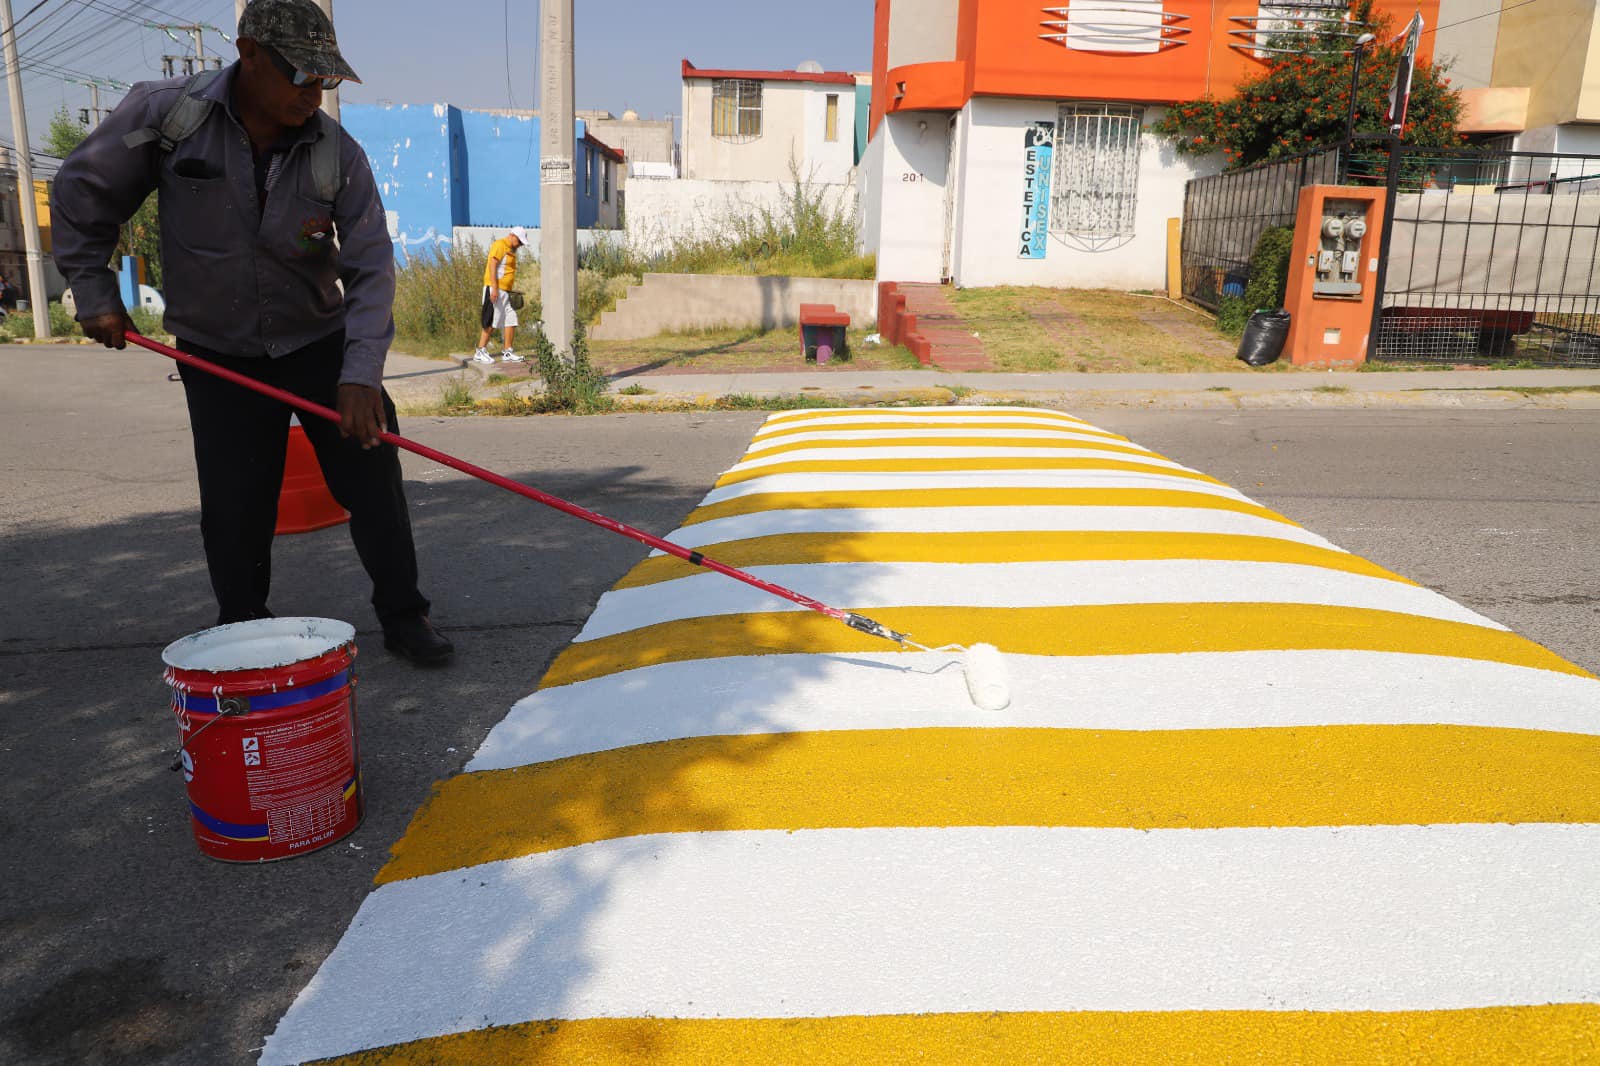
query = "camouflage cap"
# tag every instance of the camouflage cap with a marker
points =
(300, 32)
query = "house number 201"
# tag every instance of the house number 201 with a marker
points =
(912, 175)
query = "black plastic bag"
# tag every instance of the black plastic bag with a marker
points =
(1263, 337)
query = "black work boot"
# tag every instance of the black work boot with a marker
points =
(416, 638)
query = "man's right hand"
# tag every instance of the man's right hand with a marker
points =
(110, 330)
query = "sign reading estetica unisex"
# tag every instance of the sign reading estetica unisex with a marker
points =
(1039, 143)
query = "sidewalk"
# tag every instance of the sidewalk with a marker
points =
(415, 382)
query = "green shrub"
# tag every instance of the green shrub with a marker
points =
(573, 386)
(1269, 278)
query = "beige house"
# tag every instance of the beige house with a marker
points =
(768, 125)
(1529, 73)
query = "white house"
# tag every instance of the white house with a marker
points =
(768, 125)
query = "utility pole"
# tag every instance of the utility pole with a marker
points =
(191, 64)
(94, 108)
(38, 296)
(558, 235)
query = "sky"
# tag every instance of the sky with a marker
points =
(452, 51)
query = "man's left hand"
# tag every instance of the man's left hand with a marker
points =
(361, 414)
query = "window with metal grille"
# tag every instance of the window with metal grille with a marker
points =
(735, 109)
(1095, 176)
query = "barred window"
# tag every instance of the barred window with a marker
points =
(1095, 181)
(736, 109)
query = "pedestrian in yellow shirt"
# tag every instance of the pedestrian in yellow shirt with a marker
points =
(499, 277)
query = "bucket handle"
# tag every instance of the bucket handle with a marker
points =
(227, 707)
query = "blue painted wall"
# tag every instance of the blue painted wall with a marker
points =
(438, 167)
(409, 147)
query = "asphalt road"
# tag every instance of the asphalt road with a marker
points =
(119, 943)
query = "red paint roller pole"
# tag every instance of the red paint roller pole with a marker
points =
(849, 618)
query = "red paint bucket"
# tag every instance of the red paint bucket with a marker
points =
(267, 731)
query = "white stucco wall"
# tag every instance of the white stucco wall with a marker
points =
(990, 183)
(793, 116)
(662, 212)
(831, 162)
(907, 200)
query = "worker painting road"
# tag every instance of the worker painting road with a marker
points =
(1253, 796)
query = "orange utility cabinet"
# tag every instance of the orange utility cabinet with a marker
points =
(1333, 274)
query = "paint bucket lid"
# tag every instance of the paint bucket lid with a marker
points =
(260, 644)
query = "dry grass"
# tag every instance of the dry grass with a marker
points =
(1038, 329)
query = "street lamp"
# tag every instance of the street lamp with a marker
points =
(1355, 85)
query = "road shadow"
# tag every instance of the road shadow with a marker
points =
(118, 941)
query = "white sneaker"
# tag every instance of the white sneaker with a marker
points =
(482, 356)
(509, 356)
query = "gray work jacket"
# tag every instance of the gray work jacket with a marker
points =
(237, 280)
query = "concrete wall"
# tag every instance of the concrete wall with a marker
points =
(905, 165)
(990, 187)
(922, 31)
(647, 140)
(1552, 47)
(1466, 40)
(792, 128)
(674, 303)
(661, 213)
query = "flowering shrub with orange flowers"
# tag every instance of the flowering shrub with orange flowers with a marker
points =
(1300, 102)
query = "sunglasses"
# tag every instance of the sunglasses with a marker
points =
(299, 78)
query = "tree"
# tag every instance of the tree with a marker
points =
(1301, 101)
(144, 229)
(65, 134)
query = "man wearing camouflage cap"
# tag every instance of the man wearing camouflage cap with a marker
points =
(267, 206)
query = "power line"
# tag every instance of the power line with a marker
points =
(1475, 18)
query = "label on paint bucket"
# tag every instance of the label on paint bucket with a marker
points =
(295, 774)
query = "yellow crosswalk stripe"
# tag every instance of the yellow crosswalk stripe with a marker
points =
(967, 463)
(1485, 1036)
(1001, 547)
(1100, 629)
(868, 499)
(1041, 443)
(1131, 779)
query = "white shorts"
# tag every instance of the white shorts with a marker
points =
(497, 312)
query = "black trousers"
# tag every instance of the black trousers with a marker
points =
(240, 438)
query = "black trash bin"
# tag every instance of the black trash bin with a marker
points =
(1264, 336)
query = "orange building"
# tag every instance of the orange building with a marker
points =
(1008, 138)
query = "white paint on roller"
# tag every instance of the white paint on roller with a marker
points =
(987, 680)
(877, 481)
(992, 519)
(911, 690)
(867, 455)
(865, 586)
(889, 921)
(258, 645)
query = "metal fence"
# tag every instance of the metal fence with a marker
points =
(1489, 256)
(1224, 215)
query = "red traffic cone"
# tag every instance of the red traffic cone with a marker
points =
(305, 503)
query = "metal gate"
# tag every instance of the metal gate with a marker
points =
(1225, 214)
(1488, 256)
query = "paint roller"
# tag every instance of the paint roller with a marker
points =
(987, 682)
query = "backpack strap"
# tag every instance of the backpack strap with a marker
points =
(191, 110)
(182, 119)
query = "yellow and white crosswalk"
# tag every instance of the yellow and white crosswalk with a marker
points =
(1254, 799)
